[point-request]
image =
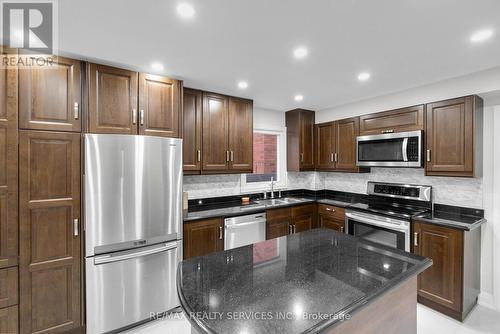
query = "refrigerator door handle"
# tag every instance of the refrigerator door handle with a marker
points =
(131, 255)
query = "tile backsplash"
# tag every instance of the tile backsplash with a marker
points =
(466, 192)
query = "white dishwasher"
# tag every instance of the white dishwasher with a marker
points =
(244, 230)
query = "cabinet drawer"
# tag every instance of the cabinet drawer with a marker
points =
(8, 287)
(332, 211)
(303, 210)
(9, 322)
(278, 213)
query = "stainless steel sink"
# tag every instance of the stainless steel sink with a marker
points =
(279, 201)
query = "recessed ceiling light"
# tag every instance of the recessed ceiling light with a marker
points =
(243, 84)
(481, 35)
(157, 67)
(298, 98)
(185, 10)
(363, 76)
(300, 52)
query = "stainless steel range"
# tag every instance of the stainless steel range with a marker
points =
(386, 218)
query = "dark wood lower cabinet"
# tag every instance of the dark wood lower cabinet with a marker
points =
(9, 320)
(49, 210)
(202, 237)
(303, 218)
(451, 284)
(327, 222)
(281, 222)
(332, 217)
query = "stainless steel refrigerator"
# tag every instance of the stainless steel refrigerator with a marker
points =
(133, 228)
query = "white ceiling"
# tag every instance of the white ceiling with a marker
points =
(402, 43)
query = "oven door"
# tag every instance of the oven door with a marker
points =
(379, 229)
(390, 150)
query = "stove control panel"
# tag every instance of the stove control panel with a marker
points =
(407, 191)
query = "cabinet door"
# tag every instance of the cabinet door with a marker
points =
(49, 98)
(328, 222)
(347, 131)
(203, 237)
(8, 168)
(302, 223)
(49, 206)
(215, 129)
(307, 140)
(399, 120)
(442, 282)
(191, 134)
(159, 106)
(112, 100)
(9, 287)
(325, 146)
(277, 228)
(9, 322)
(240, 134)
(450, 138)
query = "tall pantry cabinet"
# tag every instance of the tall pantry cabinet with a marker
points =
(49, 197)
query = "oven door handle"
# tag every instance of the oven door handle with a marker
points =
(371, 220)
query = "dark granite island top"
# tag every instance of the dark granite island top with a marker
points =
(301, 283)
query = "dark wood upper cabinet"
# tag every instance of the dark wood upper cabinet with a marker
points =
(112, 95)
(215, 132)
(454, 137)
(159, 106)
(240, 134)
(50, 98)
(8, 168)
(399, 120)
(49, 206)
(192, 122)
(346, 132)
(203, 237)
(300, 140)
(325, 145)
(336, 146)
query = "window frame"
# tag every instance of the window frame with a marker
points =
(282, 171)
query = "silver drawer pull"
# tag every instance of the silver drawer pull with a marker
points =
(132, 255)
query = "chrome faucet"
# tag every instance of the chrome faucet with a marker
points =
(272, 186)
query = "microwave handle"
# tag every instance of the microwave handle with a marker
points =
(405, 149)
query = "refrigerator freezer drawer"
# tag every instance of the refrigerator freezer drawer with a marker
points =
(133, 191)
(126, 287)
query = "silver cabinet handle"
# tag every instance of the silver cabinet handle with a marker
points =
(336, 157)
(294, 229)
(232, 156)
(415, 238)
(199, 155)
(141, 115)
(76, 229)
(428, 155)
(388, 131)
(330, 209)
(76, 110)
(220, 232)
(227, 155)
(289, 229)
(134, 116)
(341, 229)
(331, 157)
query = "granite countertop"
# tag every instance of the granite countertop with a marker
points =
(299, 283)
(237, 209)
(461, 218)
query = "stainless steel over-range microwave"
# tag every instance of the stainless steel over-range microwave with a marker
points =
(402, 149)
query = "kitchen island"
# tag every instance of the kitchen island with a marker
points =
(315, 281)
